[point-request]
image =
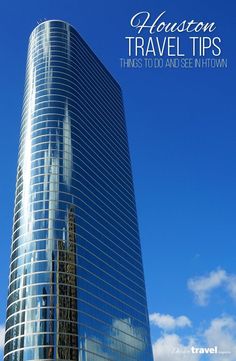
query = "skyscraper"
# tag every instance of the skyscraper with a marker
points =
(76, 287)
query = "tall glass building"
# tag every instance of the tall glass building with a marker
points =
(76, 287)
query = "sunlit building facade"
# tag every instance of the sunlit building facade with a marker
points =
(76, 285)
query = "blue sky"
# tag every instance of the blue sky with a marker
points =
(182, 134)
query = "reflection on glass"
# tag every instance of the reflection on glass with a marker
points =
(67, 328)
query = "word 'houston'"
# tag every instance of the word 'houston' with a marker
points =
(142, 21)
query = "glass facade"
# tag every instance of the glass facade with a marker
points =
(76, 286)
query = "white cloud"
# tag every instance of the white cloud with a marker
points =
(202, 286)
(2, 336)
(168, 322)
(170, 347)
(222, 333)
